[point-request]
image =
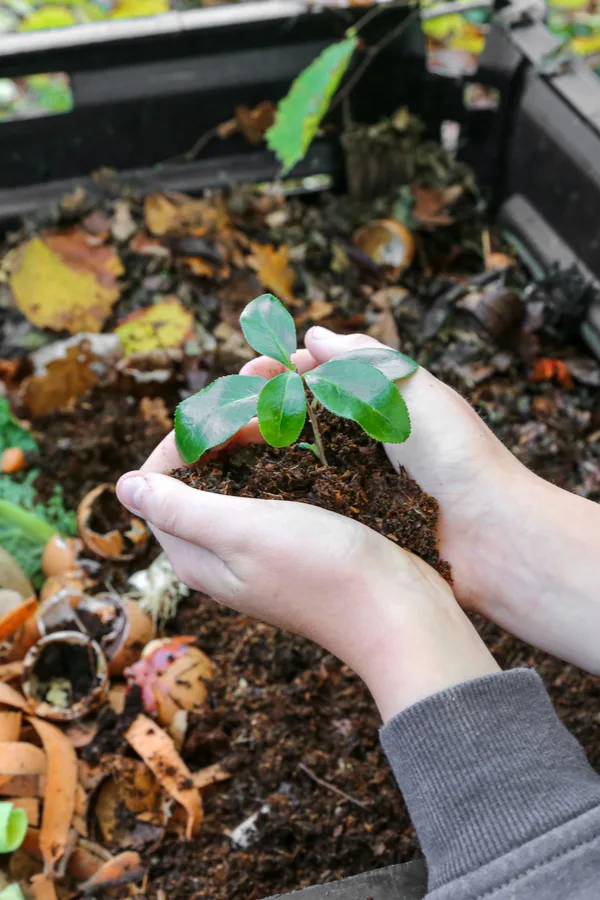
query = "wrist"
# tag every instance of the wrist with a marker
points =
(536, 570)
(422, 643)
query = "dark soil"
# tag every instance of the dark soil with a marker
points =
(358, 482)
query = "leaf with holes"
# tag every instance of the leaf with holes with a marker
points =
(355, 390)
(282, 409)
(299, 114)
(392, 363)
(269, 329)
(213, 415)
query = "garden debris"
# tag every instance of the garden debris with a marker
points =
(209, 776)
(64, 676)
(43, 888)
(65, 379)
(10, 725)
(12, 460)
(122, 869)
(158, 752)
(246, 832)
(165, 325)
(65, 281)
(253, 122)
(12, 577)
(177, 213)
(388, 244)
(14, 433)
(98, 514)
(273, 269)
(138, 633)
(172, 676)
(129, 807)
(158, 590)
(60, 555)
(59, 798)
(553, 370)
(431, 204)
(15, 618)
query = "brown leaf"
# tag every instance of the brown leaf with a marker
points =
(273, 270)
(65, 379)
(66, 281)
(178, 213)
(386, 330)
(155, 411)
(431, 203)
(254, 122)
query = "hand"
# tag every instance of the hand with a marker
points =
(379, 608)
(523, 552)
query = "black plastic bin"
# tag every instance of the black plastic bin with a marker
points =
(145, 90)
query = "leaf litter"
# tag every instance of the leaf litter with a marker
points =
(162, 281)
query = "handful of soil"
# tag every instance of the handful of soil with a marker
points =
(359, 483)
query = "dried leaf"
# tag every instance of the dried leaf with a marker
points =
(65, 283)
(163, 326)
(158, 752)
(547, 369)
(177, 213)
(65, 380)
(273, 269)
(431, 203)
(254, 122)
(121, 869)
(60, 795)
(154, 410)
(386, 330)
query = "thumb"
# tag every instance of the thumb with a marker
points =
(324, 344)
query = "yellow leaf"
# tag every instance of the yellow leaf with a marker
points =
(163, 326)
(272, 268)
(64, 283)
(132, 9)
(177, 212)
(48, 17)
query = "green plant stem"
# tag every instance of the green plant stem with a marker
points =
(34, 529)
(317, 433)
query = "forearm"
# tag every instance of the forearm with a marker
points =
(537, 576)
(501, 795)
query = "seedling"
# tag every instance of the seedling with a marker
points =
(358, 385)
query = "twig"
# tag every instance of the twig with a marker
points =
(373, 53)
(331, 787)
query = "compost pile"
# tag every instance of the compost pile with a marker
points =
(227, 759)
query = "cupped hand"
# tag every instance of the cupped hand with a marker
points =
(523, 552)
(379, 608)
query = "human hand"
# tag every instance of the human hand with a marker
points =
(522, 551)
(380, 609)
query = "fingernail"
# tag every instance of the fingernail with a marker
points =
(319, 333)
(130, 489)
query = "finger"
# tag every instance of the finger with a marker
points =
(212, 521)
(269, 368)
(324, 344)
(165, 457)
(196, 567)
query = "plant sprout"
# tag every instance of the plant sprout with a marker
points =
(358, 385)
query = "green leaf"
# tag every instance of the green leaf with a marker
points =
(269, 329)
(215, 414)
(299, 114)
(11, 433)
(393, 364)
(357, 391)
(282, 409)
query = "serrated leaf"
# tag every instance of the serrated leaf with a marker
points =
(215, 414)
(355, 390)
(392, 363)
(282, 409)
(299, 114)
(269, 328)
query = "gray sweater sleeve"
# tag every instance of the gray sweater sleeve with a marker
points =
(504, 802)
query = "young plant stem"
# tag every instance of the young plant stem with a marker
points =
(34, 529)
(317, 433)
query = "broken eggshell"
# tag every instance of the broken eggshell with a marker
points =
(172, 675)
(106, 528)
(388, 244)
(60, 555)
(64, 676)
(139, 630)
(102, 618)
